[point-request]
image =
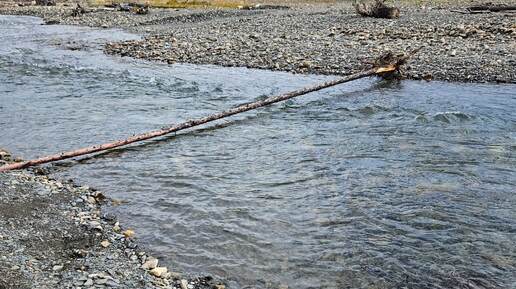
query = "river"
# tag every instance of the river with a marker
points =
(370, 184)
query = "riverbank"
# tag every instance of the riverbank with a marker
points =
(54, 235)
(320, 39)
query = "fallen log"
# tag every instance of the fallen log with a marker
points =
(492, 8)
(387, 65)
(486, 8)
(377, 9)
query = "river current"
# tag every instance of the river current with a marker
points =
(370, 184)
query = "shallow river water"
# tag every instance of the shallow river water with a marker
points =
(366, 185)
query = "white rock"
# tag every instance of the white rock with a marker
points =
(158, 271)
(184, 284)
(91, 200)
(150, 263)
(57, 268)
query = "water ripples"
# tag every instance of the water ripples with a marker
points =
(368, 185)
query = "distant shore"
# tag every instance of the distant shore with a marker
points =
(319, 39)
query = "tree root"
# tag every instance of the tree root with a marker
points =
(389, 65)
(378, 9)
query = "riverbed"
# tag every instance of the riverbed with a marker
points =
(372, 183)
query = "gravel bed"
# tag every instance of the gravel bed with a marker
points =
(320, 39)
(455, 47)
(54, 235)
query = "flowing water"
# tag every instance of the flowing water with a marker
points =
(366, 185)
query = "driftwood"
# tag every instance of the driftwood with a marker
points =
(141, 10)
(386, 65)
(492, 8)
(45, 2)
(79, 10)
(377, 9)
(486, 8)
(133, 7)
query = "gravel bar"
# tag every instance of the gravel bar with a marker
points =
(319, 39)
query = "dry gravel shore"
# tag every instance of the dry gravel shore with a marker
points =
(54, 235)
(323, 39)
(456, 47)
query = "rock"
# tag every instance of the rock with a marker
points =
(116, 227)
(306, 64)
(109, 217)
(101, 281)
(92, 200)
(79, 253)
(128, 233)
(88, 283)
(158, 271)
(57, 268)
(94, 225)
(112, 283)
(220, 286)
(15, 267)
(105, 243)
(184, 284)
(150, 263)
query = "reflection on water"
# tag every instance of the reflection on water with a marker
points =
(367, 185)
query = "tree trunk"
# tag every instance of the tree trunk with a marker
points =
(387, 64)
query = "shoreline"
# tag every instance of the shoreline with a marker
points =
(72, 215)
(54, 234)
(327, 39)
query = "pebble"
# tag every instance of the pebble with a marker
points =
(88, 282)
(184, 284)
(150, 263)
(158, 271)
(57, 268)
(101, 281)
(128, 233)
(91, 200)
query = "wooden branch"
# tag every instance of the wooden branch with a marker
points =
(389, 64)
(492, 8)
(480, 9)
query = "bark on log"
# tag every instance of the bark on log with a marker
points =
(492, 8)
(387, 65)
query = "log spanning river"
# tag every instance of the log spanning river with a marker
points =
(365, 185)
